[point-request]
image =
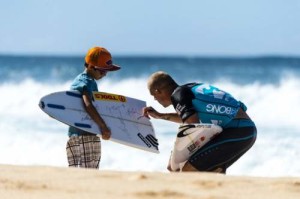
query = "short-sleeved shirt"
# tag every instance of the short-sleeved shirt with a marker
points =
(82, 82)
(210, 103)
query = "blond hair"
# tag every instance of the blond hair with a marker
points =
(160, 80)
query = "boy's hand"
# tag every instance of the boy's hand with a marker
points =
(106, 133)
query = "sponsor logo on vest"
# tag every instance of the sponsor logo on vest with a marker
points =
(179, 108)
(220, 109)
(109, 97)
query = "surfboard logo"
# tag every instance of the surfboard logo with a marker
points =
(149, 140)
(109, 97)
(122, 98)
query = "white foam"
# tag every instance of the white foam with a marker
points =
(30, 137)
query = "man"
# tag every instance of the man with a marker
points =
(201, 103)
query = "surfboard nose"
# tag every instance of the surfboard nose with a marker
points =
(42, 105)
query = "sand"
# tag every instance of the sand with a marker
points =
(32, 182)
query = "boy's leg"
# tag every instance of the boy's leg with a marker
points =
(90, 149)
(73, 151)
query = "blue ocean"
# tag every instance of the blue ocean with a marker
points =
(269, 86)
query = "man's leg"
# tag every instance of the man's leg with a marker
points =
(189, 167)
(222, 151)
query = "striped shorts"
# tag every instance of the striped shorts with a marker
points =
(84, 151)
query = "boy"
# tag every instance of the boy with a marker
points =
(83, 148)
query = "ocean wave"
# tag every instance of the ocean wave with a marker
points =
(30, 137)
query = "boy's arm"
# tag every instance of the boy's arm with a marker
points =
(93, 113)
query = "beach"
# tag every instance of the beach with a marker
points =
(270, 169)
(30, 182)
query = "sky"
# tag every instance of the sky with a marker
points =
(151, 27)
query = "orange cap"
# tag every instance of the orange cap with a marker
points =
(100, 58)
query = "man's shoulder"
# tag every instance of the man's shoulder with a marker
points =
(184, 88)
(183, 92)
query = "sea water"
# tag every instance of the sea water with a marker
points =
(269, 86)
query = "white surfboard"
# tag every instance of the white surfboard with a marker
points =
(190, 138)
(123, 115)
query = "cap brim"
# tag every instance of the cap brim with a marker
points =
(109, 68)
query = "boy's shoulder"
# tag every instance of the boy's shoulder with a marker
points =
(82, 77)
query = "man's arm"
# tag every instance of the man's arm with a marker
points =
(150, 111)
(193, 119)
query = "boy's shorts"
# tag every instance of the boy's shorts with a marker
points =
(84, 151)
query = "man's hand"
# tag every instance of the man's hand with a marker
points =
(150, 111)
